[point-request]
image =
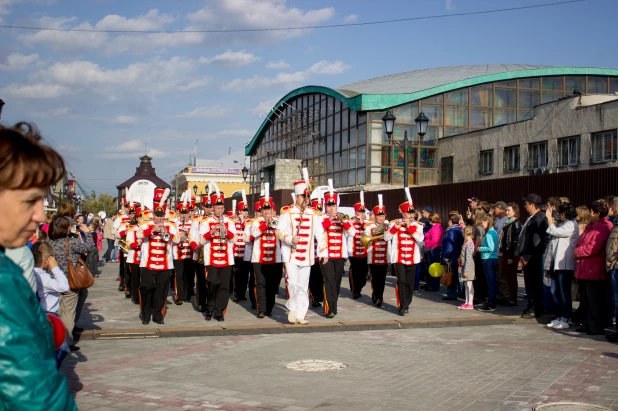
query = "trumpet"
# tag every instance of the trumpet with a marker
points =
(377, 233)
(122, 244)
(222, 229)
(343, 217)
(272, 222)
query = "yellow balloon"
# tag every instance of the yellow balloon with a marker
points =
(436, 270)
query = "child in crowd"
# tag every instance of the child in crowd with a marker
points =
(466, 268)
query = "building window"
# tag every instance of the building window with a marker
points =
(538, 155)
(604, 146)
(486, 165)
(511, 159)
(568, 148)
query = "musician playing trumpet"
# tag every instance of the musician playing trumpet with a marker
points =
(217, 235)
(377, 252)
(183, 261)
(157, 260)
(404, 253)
(132, 270)
(337, 228)
(357, 251)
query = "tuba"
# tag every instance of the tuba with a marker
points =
(377, 232)
(122, 244)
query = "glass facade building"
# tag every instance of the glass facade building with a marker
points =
(339, 134)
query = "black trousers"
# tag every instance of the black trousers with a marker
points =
(267, 279)
(121, 267)
(183, 270)
(201, 294)
(153, 289)
(252, 291)
(358, 274)
(533, 277)
(378, 280)
(316, 284)
(218, 285)
(333, 273)
(480, 281)
(593, 303)
(405, 284)
(132, 280)
(241, 277)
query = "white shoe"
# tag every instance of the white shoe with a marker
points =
(292, 317)
(553, 323)
(301, 321)
(562, 325)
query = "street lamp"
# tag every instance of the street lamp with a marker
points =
(1, 105)
(66, 190)
(389, 123)
(195, 189)
(245, 173)
(262, 174)
(421, 126)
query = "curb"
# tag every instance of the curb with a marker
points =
(217, 331)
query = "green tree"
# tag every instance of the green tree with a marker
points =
(105, 203)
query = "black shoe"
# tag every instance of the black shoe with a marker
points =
(406, 311)
(134, 301)
(74, 347)
(583, 329)
(316, 304)
(597, 332)
(488, 308)
(220, 319)
(528, 315)
(178, 302)
(253, 306)
(201, 308)
(330, 315)
(127, 294)
(379, 302)
(356, 296)
(77, 329)
(449, 298)
(401, 312)
(260, 315)
(208, 315)
(159, 321)
(612, 337)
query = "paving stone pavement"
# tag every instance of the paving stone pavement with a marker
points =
(513, 367)
(107, 309)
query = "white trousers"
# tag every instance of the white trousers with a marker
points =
(298, 284)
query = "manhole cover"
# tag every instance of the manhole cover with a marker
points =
(315, 366)
(569, 406)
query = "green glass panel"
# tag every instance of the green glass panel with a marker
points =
(480, 117)
(553, 83)
(398, 156)
(597, 85)
(505, 98)
(456, 116)
(376, 116)
(459, 97)
(504, 117)
(437, 99)
(528, 98)
(433, 113)
(481, 95)
(509, 83)
(406, 113)
(530, 82)
(549, 96)
(428, 156)
(613, 85)
(575, 83)
(361, 176)
(453, 131)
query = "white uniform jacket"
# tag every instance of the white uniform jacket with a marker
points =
(182, 250)
(218, 252)
(337, 235)
(377, 251)
(156, 252)
(402, 248)
(307, 225)
(134, 243)
(266, 245)
(248, 239)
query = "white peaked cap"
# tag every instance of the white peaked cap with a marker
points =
(408, 196)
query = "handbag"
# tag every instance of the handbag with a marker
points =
(447, 276)
(79, 276)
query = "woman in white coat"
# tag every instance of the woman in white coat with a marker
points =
(559, 261)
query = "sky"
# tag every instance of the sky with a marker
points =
(104, 99)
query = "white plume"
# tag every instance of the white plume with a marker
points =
(217, 190)
(184, 200)
(408, 196)
(380, 201)
(262, 192)
(130, 197)
(267, 191)
(166, 194)
(141, 200)
(233, 205)
(244, 196)
(209, 189)
(362, 200)
(306, 176)
(330, 186)
(293, 198)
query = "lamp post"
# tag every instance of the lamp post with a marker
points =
(1, 106)
(421, 128)
(245, 173)
(66, 190)
(195, 189)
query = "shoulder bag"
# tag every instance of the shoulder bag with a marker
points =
(79, 276)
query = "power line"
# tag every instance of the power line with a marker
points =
(329, 26)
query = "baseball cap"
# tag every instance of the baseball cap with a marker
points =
(499, 204)
(428, 209)
(533, 198)
(476, 199)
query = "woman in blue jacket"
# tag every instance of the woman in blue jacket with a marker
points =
(29, 379)
(489, 256)
(451, 249)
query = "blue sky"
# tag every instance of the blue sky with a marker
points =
(103, 99)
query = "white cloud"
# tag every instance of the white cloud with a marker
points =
(124, 120)
(128, 43)
(129, 149)
(285, 79)
(230, 59)
(257, 14)
(450, 4)
(66, 148)
(35, 91)
(17, 61)
(237, 132)
(206, 112)
(194, 84)
(281, 64)
(149, 21)
(352, 18)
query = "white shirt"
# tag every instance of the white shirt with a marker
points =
(22, 256)
(49, 286)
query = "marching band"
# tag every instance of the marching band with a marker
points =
(215, 255)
